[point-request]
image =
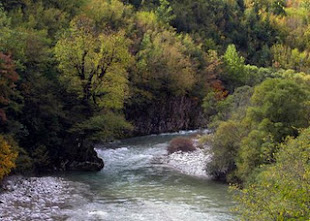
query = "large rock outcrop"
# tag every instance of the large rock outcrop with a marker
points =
(168, 115)
(82, 157)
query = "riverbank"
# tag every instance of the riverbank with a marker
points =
(140, 181)
(38, 198)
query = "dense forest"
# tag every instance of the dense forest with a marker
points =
(77, 72)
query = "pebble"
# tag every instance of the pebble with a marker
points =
(35, 198)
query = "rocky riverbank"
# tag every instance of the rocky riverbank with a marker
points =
(38, 198)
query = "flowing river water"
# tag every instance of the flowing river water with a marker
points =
(139, 182)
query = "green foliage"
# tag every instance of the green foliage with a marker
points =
(216, 20)
(41, 108)
(40, 158)
(5, 29)
(224, 143)
(237, 74)
(84, 66)
(94, 67)
(24, 163)
(278, 108)
(255, 75)
(281, 190)
(8, 78)
(300, 78)
(278, 7)
(147, 20)
(234, 73)
(285, 57)
(163, 65)
(250, 126)
(103, 127)
(209, 103)
(108, 14)
(284, 103)
(164, 12)
(232, 107)
(256, 149)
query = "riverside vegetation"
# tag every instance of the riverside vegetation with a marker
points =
(76, 72)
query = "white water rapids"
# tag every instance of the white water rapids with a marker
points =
(140, 182)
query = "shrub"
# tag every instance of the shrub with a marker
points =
(24, 163)
(281, 190)
(181, 144)
(279, 107)
(224, 145)
(7, 157)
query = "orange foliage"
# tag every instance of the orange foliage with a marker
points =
(7, 157)
(212, 71)
(220, 92)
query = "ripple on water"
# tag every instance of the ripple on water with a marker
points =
(140, 181)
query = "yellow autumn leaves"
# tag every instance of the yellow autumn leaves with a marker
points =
(7, 157)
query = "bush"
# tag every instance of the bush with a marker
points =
(281, 190)
(279, 107)
(7, 157)
(224, 145)
(181, 144)
(24, 163)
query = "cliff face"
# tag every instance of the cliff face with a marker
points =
(80, 156)
(167, 115)
(170, 115)
(73, 154)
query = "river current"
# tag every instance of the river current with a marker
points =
(140, 182)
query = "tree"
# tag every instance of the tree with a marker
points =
(281, 190)
(164, 12)
(287, 58)
(230, 130)
(94, 67)
(234, 66)
(5, 30)
(209, 21)
(284, 103)
(224, 143)
(8, 78)
(109, 14)
(7, 157)
(11, 4)
(163, 66)
(231, 107)
(279, 107)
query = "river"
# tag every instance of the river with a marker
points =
(139, 182)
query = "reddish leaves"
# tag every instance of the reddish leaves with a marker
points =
(8, 78)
